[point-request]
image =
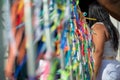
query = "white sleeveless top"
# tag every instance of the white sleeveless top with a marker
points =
(108, 49)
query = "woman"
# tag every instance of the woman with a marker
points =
(106, 42)
(18, 45)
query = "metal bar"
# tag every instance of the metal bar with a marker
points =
(48, 55)
(29, 41)
(47, 30)
(4, 25)
(3, 11)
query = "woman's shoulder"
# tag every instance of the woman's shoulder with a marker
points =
(98, 26)
(100, 29)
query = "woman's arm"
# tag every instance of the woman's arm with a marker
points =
(98, 40)
(10, 63)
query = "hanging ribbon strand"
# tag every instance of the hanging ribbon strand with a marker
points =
(53, 36)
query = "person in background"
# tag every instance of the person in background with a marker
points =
(16, 44)
(106, 43)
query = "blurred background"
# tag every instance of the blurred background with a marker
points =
(84, 4)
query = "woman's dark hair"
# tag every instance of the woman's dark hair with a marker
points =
(101, 15)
